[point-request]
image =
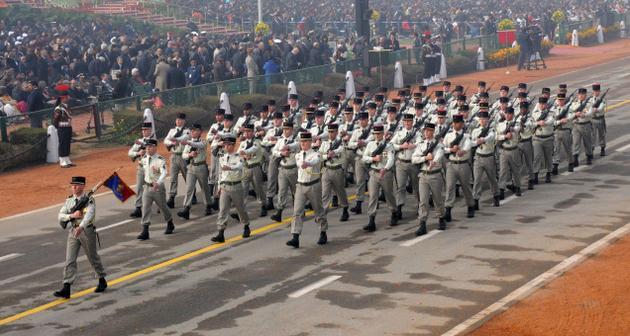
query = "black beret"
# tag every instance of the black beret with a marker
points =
(408, 116)
(196, 126)
(79, 180)
(458, 118)
(505, 88)
(277, 115)
(581, 90)
(334, 104)
(363, 115)
(522, 85)
(446, 83)
(219, 111)
(147, 125)
(306, 136)
(229, 116)
(392, 109)
(429, 125)
(596, 87)
(483, 114)
(152, 142)
(481, 83)
(378, 128)
(247, 106)
(293, 96)
(504, 100)
(181, 115)
(371, 105)
(333, 127)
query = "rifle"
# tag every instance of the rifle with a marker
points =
(483, 134)
(599, 100)
(565, 111)
(380, 149)
(443, 133)
(542, 117)
(142, 147)
(85, 200)
(508, 128)
(430, 149)
(409, 136)
(176, 135)
(455, 142)
(333, 147)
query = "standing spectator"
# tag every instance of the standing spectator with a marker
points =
(252, 70)
(176, 78)
(193, 75)
(35, 103)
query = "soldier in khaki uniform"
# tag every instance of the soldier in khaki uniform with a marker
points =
(82, 234)
(429, 154)
(173, 143)
(231, 189)
(136, 152)
(309, 188)
(268, 142)
(483, 138)
(404, 143)
(213, 138)
(360, 138)
(525, 145)
(598, 119)
(197, 173)
(543, 140)
(582, 128)
(333, 178)
(154, 174)
(457, 145)
(509, 155)
(346, 129)
(380, 158)
(284, 151)
(563, 126)
(252, 152)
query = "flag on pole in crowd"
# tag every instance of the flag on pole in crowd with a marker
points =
(120, 189)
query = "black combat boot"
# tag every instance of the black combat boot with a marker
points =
(442, 224)
(278, 216)
(399, 212)
(246, 231)
(137, 213)
(295, 241)
(357, 208)
(371, 227)
(447, 214)
(554, 170)
(208, 210)
(102, 285)
(323, 238)
(344, 215)
(501, 194)
(517, 192)
(219, 238)
(64, 292)
(171, 202)
(393, 221)
(185, 214)
(422, 230)
(576, 161)
(270, 203)
(235, 216)
(570, 168)
(530, 184)
(144, 235)
(496, 200)
(602, 152)
(335, 201)
(548, 178)
(476, 205)
(535, 178)
(263, 211)
(589, 160)
(471, 212)
(170, 227)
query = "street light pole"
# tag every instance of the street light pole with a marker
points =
(260, 11)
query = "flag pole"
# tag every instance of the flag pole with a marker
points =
(100, 184)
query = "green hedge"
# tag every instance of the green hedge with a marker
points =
(27, 146)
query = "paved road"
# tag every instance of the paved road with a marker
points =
(385, 283)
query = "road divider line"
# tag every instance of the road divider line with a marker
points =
(10, 256)
(623, 149)
(508, 199)
(321, 283)
(538, 282)
(416, 240)
(114, 225)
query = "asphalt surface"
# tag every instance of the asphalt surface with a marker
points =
(374, 284)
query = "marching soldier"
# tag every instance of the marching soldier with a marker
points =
(483, 139)
(268, 142)
(429, 155)
(136, 152)
(173, 143)
(543, 140)
(345, 131)
(481, 88)
(319, 131)
(404, 143)
(213, 138)
(379, 156)
(284, 151)
(154, 174)
(598, 119)
(525, 145)
(82, 234)
(457, 145)
(582, 128)
(197, 173)
(309, 189)
(509, 157)
(231, 191)
(360, 138)
(333, 179)
(252, 153)
(247, 118)
(333, 113)
(563, 126)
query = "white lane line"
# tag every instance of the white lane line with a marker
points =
(509, 199)
(416, 240)
(575, 170)
(321, 283)
(10, 256)
(539, 281)
(623, 149)
(114, 225)
(618, 141)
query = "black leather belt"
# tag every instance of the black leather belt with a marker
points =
(198, 163)
(526, 140)
(431, 172)
(544, 136)
(583, 123)
(563, 129)
(288, 167)
(485, 155)
(306, 184)
(404, 161)
(248, 166)
(509, 148)
(230, 183)
(333, 167)
(458, 162)
(598, 118)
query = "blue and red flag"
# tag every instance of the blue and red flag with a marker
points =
(120, 189)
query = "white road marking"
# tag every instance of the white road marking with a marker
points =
(114, 225)
(539, 281)
(10, 256)
(416, 240)
(575, 170)
(623, 149)
(321, 283)
(509, 199)
(618, 141)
